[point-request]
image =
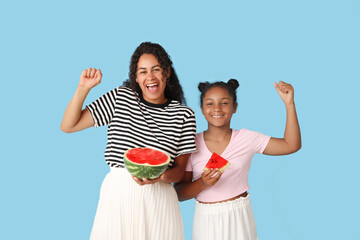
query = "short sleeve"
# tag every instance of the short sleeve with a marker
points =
(102, 110)
(189, 167)
(259, 140)
(188, 132)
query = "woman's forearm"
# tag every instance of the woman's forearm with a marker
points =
(74, 109)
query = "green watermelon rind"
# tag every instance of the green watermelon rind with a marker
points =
(220, 169)
(146, 170)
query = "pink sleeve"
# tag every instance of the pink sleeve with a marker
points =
(264, 142)
(188, 167)
(258, 140)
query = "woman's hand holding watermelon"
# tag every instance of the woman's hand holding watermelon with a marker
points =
(210, 178)
(145, 181)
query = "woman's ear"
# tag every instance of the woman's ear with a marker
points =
(168, 73)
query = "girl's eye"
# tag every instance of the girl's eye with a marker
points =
(225, 103)
(142, 72)
(156, 69)
(208, 104)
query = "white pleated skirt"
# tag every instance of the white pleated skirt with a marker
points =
(128, 211)
(231, 220)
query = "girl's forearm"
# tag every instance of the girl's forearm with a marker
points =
(292, 134)
(189, 190)
(174, 174)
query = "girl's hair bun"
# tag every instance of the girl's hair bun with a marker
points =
(203, 85)
(233, 83)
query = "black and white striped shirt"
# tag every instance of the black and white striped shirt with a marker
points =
(133, 122)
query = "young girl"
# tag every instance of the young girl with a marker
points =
(222, 209)
(146, 112)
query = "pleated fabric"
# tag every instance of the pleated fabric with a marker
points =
(128, 211)
(231, 220)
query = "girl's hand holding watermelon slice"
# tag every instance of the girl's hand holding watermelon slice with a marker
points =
(210, 177)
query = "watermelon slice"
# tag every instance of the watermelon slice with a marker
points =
(216, 161)
(146, 162)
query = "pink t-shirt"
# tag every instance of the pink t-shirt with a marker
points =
(234, 181)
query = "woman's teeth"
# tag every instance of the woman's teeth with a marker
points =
(152, 87)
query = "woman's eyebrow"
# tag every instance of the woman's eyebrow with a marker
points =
(144, 68)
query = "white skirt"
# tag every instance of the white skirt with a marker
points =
(129, 211)
(231, 220)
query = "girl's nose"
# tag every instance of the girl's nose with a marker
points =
(217, 107)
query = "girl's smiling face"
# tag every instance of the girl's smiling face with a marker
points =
(218, 107)
(151, 80)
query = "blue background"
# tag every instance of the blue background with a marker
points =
(50, 180)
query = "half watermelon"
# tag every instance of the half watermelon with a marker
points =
(146, 162)
(216, 161)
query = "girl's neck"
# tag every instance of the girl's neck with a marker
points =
(217, 133)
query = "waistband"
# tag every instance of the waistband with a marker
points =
(223, 206)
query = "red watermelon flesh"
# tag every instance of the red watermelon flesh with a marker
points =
(146, 162)
(216, 162)
(147, 156)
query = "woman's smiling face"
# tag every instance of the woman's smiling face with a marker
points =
(151, 80)
(218, 107)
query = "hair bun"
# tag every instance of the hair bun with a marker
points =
(203, 85)
(233, 83)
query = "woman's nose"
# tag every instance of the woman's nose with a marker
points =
(150, 75)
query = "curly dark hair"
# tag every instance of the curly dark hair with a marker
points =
(173, 89)
(230, 86)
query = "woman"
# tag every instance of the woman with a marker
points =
(223, 209)
(145, 112)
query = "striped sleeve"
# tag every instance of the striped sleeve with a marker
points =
(188, 132)
(102, 110)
